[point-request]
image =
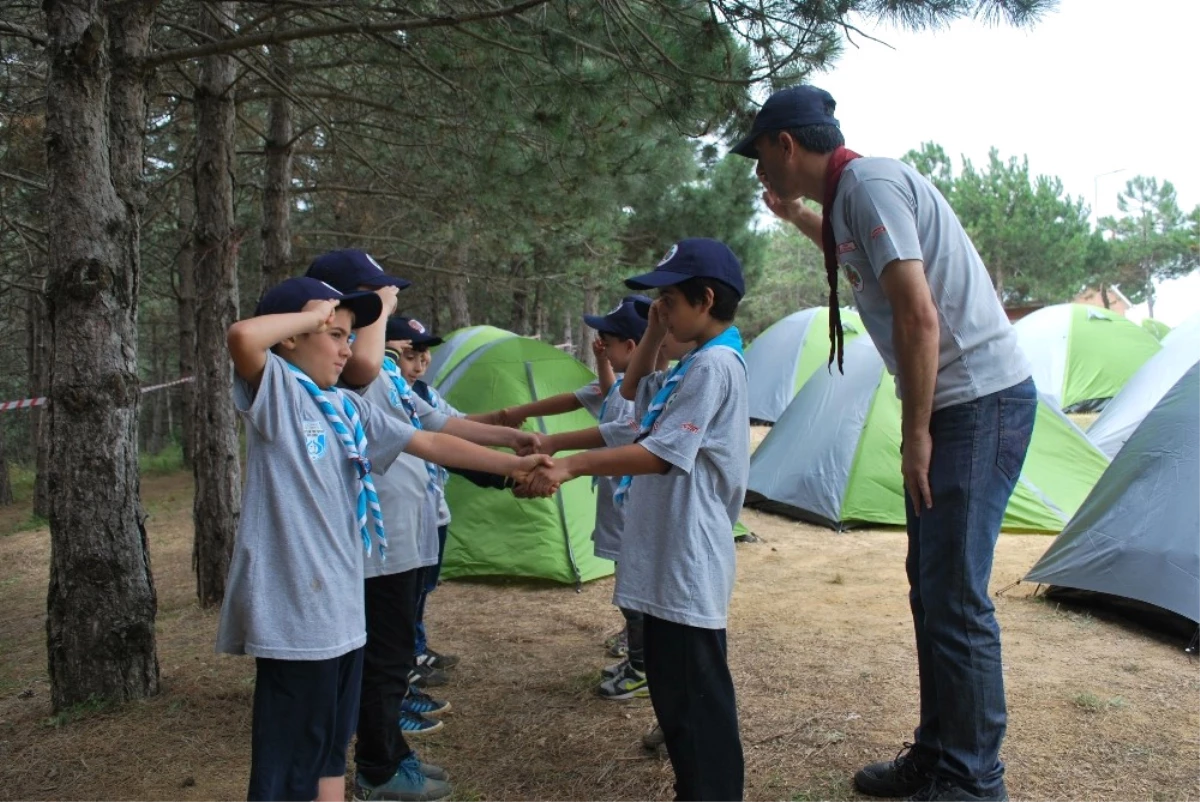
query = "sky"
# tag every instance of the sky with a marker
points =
(1096, 93)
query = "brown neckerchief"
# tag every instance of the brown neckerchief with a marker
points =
(833, 176)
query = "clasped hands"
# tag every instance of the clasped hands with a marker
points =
(543, 476)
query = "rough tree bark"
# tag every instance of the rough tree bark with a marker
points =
(276, 204)
(217, 470)
(591, 300)
(38, 352)
(185, 272)
(101, 603)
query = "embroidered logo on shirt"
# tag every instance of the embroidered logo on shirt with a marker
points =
(877, 230)
(854, 277)
(691, 427)
(393, 396)
(314, 439)
(846, 247)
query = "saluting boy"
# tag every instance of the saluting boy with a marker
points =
(310, 512)
(684, 480)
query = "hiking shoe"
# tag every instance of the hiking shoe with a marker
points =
(628, 684)
(437, 659)
(422, 704)
(619, 646)
(939, 790)
(408, 784)
(654, 738)
(433, 772)
(901, 777)
(427, 677)
(608, 672)
(416, 725)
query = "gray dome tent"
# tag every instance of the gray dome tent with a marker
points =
(1135, 536)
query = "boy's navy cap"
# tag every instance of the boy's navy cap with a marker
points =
(693, 258)
(291, 296)
(624, 321)
(349, 269)
(411, 329)
(789, 108)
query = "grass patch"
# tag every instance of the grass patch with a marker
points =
(22, 479)
(1091, 703)
(26, 524)
(825, 786)
(164, 463)
(93, 706)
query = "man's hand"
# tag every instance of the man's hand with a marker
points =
(794, 211)
(322, 314)
(390, 297)
(916, 452)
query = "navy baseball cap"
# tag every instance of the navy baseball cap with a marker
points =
(624, 321)
(348, 270)
(411, 329)
(693, 258)
(789, 108)
(291, 296)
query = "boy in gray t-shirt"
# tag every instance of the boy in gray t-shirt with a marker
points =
(619, 333)
(684, 480)
(310, 511)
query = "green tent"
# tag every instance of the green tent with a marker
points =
(834, 456)
(1156, 327)
(493, 533)
(781, 359)
(1082, 355)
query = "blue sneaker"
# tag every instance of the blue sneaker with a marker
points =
(416, 725)
(423, 704)
(408, 784)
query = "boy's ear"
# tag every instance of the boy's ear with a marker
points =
(710, 298)
(288, 343)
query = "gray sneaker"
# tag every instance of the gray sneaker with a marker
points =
(408, 784)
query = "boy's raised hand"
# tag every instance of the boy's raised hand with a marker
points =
(391, 299)
(598, 349)
(656, 322)
(323, 310)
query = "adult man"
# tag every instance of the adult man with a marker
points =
(968, 410)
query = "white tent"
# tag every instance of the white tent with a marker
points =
(1180, 350)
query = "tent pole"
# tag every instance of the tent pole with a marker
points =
(558, 499)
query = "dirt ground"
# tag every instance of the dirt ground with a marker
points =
(820, 647)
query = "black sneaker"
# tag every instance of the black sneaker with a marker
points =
(939, 790)
(427, 676)
(437, 659)
(897, 778)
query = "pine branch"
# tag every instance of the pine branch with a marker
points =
(275, 37)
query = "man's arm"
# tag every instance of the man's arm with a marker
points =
(915, 335)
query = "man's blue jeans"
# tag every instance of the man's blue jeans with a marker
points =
(979, 448)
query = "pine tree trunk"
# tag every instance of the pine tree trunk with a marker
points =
(591, 302)
(276, 208)
(1104, 296)
(6, 496)
(185, 270)
(216, 466)
(39, 384)
(101, 603)
(519, 319)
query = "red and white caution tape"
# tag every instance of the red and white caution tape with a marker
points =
(26, 403)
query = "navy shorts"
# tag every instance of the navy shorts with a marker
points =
(304, 714)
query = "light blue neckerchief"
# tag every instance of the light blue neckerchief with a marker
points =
(731, 338)
(392, 371)
(355, 444)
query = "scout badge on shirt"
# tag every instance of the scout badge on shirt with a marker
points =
(314, 439)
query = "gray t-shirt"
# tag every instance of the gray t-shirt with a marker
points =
(429, 553)
(294, 590)
(885, 210)
(408, 500)
(591, 396)
(677, 551)
(618, 427)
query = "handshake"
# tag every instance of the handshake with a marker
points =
(538, 476)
